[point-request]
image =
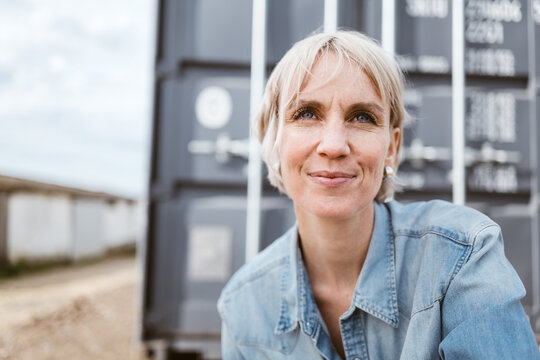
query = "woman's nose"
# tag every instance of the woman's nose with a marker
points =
(334, 142)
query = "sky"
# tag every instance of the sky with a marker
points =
(75, 92)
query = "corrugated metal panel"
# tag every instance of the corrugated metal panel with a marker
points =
(198, 185)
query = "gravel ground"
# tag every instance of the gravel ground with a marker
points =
(86, 312)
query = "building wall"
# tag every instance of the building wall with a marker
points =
(3, 227)
(48, 227)
(89, 228)
(39, 227)
(124, 224)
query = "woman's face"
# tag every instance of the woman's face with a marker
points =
(336, 142)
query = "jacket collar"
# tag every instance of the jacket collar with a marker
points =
(375, 291)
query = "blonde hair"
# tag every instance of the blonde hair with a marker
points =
(292, 73)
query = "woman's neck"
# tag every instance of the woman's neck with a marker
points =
(334, 250)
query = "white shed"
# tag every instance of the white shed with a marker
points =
(45, 222)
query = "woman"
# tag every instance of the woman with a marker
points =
(360, 276)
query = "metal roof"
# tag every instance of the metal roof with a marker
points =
(14, 184)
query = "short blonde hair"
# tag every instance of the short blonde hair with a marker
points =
(292, 73)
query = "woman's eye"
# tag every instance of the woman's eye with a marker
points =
(364, 118)
(304, 115)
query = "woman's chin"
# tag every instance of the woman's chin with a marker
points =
(338, 210)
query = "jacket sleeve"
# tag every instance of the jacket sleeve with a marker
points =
(482, 317)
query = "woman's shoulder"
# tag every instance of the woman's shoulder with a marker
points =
(252, 295)
(261, 267)
(457, 223)
(438, 245)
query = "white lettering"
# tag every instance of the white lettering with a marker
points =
(497, 10)
(494, 178)
(406, 62)
(433, 64)
(412, 180)
(485, 32)
(492, 117)
(427, 8)
(490, 62)
(536, 11)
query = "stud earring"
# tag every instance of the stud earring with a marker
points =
(388, 174)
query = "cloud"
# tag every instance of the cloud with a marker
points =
(75, 83)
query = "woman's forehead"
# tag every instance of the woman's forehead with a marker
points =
(331, 72)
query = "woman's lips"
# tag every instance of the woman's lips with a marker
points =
(331, 178)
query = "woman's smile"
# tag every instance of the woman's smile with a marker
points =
(331, 179)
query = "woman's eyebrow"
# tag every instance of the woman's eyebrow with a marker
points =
(370, 106)
(304, 103)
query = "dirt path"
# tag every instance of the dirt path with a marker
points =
(86, 312)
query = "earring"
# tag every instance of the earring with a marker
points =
(276, 167)
(388, 174)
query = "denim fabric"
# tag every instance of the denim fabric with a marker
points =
(435, 284)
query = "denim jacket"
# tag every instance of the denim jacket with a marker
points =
(435, 284)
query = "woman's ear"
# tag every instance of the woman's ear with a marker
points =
(395, 137)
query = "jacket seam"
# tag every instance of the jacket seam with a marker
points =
(466, 256)
(418, 234)
(463, 259)
(421, 233)
(476, 237)
(426, 307)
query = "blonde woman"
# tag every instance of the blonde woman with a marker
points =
(361, 276)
